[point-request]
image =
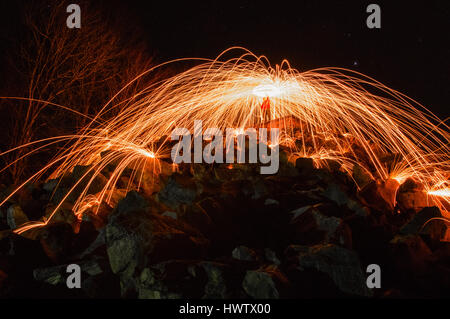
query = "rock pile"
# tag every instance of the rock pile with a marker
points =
(216, 231)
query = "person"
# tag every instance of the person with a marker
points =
(265, 109)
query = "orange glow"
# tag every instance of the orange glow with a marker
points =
(327, 113)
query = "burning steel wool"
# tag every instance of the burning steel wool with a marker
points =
(324, 114)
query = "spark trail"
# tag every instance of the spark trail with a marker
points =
(327, 113)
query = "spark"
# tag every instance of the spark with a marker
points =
(440, 192)
(147, 153)
(325, 114)
(266, 90)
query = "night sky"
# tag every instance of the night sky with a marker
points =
(410, 52)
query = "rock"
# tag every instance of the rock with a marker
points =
(97, 216)
(446, 237)
(123, 249)
(187, 240)
(95, 185)
(179, 189)
(131, 202)
(259, 189)
(214, 209)
(304, 164)
(335, 193)
(151, 283)
(149, 182)
(63, 215)
(244, 253)
(95, 280)
(410, 255)
(83, 176)
(358, 208)
(182, 279)
(286, 168)
(270, 201)
(198, 218)
(339, 264)
(310, 226)
(15, 217)
(93, 267)
(22, 248)
(427, 221)
(57, 241)
(135, 236)
(58, 274)
(236, 190)
(216, 287)
(201, 172)
(31, 202)
(379, 195)
(271, 256)
(52, 275)
(412, 196)
(50, 185)
(300, 211)
(361, 176)
(233, 172)
(149, 294)
(3, 222)
(331, 165)
(170, 214)
(263, 283)
(100, 241)
(85, 234)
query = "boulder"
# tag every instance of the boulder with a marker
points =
(179, 189)
(411, 195)
(304, 164)
(15, 216)
(271, 256)
(183, 279)
(361, 176)
(380, 195)
(95, 279)
(338, 264)
(57, 241)
(135, 236)
(428, 221)
(310, 226)
(336, 193)
(264, 283)
(410, 255)
(244, 253)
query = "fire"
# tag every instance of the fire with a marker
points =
(328, 104)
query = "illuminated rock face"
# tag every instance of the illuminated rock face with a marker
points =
(213, 231)
(380, 195)
(412, 196)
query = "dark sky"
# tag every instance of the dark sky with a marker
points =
(410, 53)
